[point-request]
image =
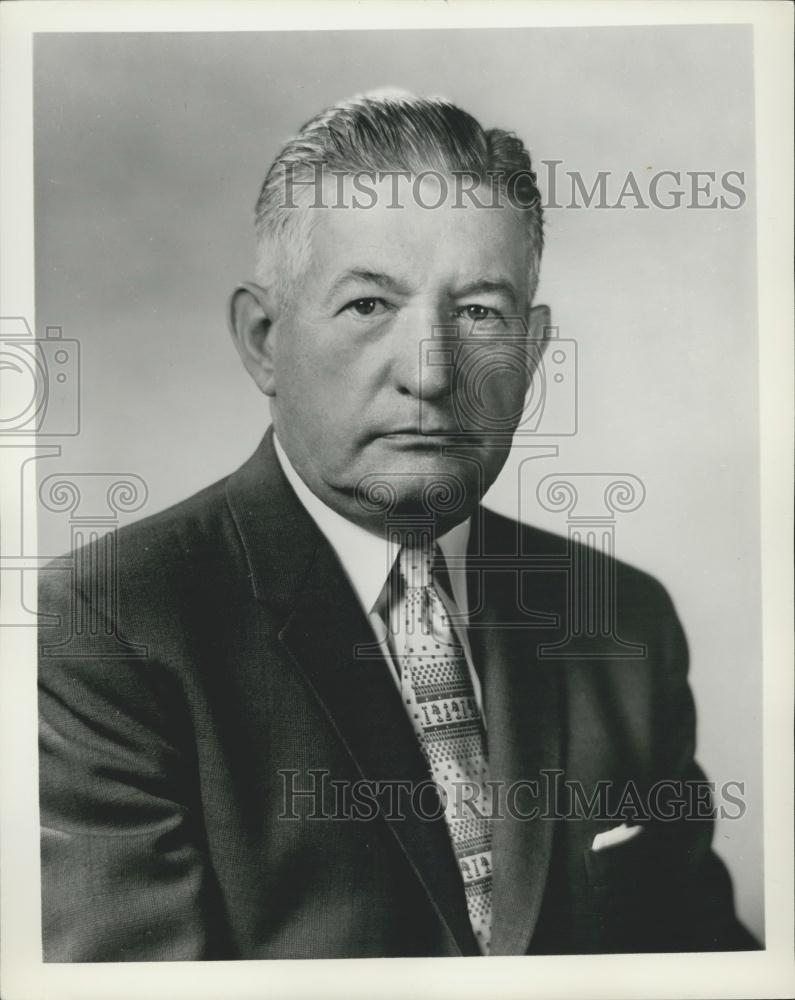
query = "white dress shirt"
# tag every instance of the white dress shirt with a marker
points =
(367, 560)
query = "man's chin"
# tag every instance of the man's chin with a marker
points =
(424, 480)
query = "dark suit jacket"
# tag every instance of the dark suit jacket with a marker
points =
(165, 762)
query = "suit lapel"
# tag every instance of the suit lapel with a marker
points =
(523, 711)
(294, 569)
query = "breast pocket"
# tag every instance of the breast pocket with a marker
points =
(622, 866)
(621, 894)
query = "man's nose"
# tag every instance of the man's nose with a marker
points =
(423, 359)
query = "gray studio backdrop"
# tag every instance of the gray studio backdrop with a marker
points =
(149, 151)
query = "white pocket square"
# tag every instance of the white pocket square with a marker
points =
(616, 835)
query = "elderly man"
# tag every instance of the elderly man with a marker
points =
(337, 733)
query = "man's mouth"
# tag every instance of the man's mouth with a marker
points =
(424, 432)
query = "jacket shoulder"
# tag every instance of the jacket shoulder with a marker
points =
(508, 536)
(159, 554)
(185, 524)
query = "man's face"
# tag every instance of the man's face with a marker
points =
(352, 385)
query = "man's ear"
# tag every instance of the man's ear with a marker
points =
(540, 326)
(250, 315)
(540, 332)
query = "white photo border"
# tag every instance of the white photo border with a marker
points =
(764, 974)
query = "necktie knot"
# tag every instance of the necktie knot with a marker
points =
(415, 564)
(422, 566)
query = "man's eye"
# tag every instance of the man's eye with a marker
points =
(366, 307)
(476, 311)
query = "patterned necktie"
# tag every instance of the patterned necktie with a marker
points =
(437, 691)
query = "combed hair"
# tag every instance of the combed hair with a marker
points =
(387, 132)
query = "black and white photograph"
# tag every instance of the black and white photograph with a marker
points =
(395, 477)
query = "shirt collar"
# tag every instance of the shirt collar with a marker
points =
(367, 558)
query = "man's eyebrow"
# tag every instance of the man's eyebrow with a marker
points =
(498, 286)
(361, 274)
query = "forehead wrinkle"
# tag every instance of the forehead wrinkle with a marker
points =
(364, 274)
(388, 252)
(494, 285)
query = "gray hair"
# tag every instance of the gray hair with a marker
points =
(382, 133)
